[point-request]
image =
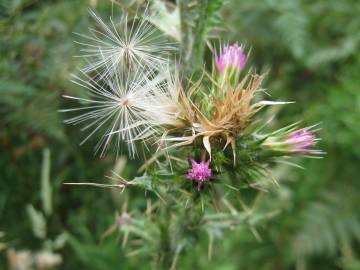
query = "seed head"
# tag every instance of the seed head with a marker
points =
(117, 109)
(123, 46)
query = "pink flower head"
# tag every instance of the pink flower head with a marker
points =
(301, 141)
(232, 57)
(199, 172)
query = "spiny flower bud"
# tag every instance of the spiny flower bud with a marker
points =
(199, 172)
(294, 142)
(232, 59)
(301, 141)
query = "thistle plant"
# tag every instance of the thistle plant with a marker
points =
(203, 138)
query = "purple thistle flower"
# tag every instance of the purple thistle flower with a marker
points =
(301, 141)
(199, 172)
(232, 57)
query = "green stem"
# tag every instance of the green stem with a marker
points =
(200, 35)
(179, 233)
(193, 16)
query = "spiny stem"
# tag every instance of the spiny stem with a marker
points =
(199, 34)
(193, 25)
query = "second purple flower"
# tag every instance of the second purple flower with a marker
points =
(199, 172)
(231, 58)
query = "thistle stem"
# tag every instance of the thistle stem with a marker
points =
(180, 233)
(193, 16)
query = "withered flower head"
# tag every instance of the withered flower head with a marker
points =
(233, 108)
(228, 114)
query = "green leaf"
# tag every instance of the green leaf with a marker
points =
(144, 182)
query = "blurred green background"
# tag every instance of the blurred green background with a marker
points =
(311, 49)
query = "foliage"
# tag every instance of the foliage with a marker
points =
(309, 221)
